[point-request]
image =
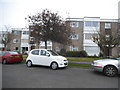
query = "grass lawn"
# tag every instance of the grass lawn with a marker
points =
(82, 59)
(80, 65)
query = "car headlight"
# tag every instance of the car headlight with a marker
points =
(65, 60)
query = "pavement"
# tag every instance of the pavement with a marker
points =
(79, 62)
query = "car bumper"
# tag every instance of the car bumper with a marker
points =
(97, 68)
(14, 60)
(64, 64)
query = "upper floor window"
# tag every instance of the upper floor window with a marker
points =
(16, 32)
(74, 24)
(26, 32)
(15, 40)
(74, 37)
(107, 25)
(32, 39)
(91, 23)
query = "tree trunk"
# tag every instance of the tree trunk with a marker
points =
(45, 44)
(37, 45)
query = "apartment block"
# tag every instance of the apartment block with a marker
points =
(108, 26)
(84, 29)
(15, 40)
(25, 46)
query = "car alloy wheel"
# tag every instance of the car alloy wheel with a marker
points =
(29, 63)
(54, 65)
(110, 71)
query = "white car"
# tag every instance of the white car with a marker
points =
(110, 67)
(46, 57)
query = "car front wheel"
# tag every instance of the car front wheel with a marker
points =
(54, 65)
(29, 63)
(110, 71)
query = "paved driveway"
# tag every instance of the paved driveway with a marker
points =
(20, 76)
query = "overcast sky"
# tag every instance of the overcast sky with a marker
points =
(13, 12)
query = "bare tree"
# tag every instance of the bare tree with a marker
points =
(106, 42)
(6, 37)
(49, 26)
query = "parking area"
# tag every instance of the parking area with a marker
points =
(20, 76)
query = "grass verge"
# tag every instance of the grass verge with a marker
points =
(82, 59)
(80, 65)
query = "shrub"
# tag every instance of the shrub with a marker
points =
(83, 53)
(63, 52)
(72, 53)
(76, 53)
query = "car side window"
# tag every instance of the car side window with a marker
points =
(43, 53)
(35, 52)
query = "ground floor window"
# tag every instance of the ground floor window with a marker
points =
(73, 48)
(24, 49)
(92, 50)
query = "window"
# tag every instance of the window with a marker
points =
(43, 52)
(107, 25)
(16, 32)
(16, 48)
(91, 23)
(74, 37)
(35, 52)
(15, 40)
(26, 32)
(32, 38)
(10, 52)
(73, 48)
(52, 52)
(25, 48)
(74, 24)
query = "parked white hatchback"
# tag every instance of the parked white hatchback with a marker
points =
(46, 57)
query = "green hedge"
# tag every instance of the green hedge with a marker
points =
(76, 53)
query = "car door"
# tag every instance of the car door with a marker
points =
(34, 56)
(45, 58)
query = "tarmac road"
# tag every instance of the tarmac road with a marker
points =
(20, 76)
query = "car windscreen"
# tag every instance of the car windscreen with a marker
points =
(53, 53)
(116, 58)
(11, 52)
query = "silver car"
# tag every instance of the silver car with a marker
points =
(110, 67)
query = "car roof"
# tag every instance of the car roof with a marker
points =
(40, 49)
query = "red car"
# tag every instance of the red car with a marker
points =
(10, 57)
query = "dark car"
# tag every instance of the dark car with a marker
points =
(10, 57)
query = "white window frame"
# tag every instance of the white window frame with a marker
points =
(25, 32)
(73, 48)
(74, 37)
(16, 32)
(74, 24)
(15, 40)
(107, 25)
